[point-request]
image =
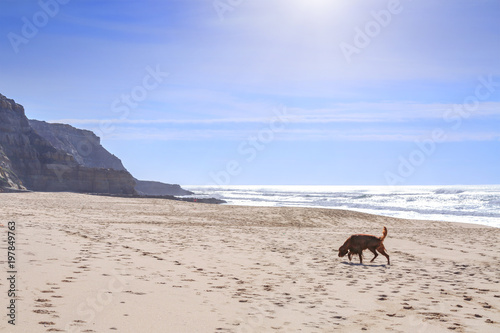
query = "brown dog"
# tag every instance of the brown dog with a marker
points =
(357, 243)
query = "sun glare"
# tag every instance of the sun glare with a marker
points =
(316, 4)
(316, 7)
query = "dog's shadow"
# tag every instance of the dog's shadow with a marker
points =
(363, 265)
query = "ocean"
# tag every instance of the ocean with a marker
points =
(479, 204)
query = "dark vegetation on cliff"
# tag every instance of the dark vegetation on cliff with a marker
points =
(38, 156)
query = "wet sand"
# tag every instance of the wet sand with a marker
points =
(103, 264)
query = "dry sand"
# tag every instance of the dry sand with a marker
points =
(102, 264)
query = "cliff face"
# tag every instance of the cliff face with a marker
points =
(29, 161)
(8, 179)
(83, 145)
(86, 149)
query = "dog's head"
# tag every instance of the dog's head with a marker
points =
(343, 250)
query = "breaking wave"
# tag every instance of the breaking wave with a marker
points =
(470, 204)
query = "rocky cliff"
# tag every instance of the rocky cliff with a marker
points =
(83, 145)
(8, 179)
(29, 161)
(86, 149)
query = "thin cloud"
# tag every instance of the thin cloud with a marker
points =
(344, 135)
(342, 113)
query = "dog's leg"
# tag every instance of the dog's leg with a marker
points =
(381, 249)
(360, 257)
(349, 255)
(374, 252)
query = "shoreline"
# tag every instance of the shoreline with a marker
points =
(367, 213)
(457, 203)
(92, 263)
(219, 202)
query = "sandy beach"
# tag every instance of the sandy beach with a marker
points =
(105, 264)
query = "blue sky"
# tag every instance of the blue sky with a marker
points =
(268, 92)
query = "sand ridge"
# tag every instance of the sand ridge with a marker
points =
(99, 264)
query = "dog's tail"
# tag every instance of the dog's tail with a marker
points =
(384, 234)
